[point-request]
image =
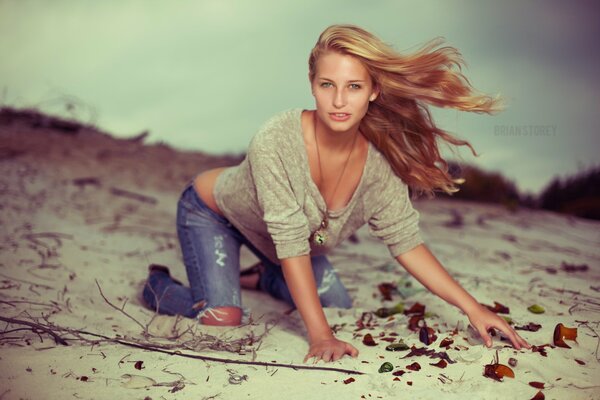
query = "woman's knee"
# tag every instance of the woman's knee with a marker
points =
(221, 316)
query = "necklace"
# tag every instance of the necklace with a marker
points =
(319, 236)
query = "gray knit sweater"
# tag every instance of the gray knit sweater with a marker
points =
(273, 201)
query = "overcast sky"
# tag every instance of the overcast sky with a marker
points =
(204, 75)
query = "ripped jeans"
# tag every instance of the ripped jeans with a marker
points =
(210, 246)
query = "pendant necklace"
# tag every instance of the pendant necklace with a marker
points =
(319, 236)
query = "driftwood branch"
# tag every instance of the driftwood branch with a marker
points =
(33, 326)
(160, 349)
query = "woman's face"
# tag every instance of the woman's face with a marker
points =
(342, 89)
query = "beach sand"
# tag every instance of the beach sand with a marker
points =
(83, 215)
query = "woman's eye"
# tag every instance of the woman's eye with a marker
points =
(355, 86)
(325, 83)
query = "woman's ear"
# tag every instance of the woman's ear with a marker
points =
(375, 94)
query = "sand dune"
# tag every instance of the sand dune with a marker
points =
(83, 214)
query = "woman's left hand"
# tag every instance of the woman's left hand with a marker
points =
(483, 319)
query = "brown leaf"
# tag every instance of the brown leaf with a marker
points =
(497, 371)
(139, 365)
(580, 362)
(368, 340)
(386, 290)
(399, 372)
(540, 349)
(446, 342)
(561, 333)
(349, 380)
(413, 322)
(440, 364)
(538, 396)
(414, 366)
(537, 385)
(416, 308)
(531, 327)
(427, 335)
(498, 308)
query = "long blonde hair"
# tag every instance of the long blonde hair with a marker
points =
(398, 122)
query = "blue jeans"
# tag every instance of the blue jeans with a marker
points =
(210, 246)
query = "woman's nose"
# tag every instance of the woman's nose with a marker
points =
(340, 98)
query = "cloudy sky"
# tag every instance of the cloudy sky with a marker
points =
(205, 74)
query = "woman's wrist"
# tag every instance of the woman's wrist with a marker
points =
(320, 335)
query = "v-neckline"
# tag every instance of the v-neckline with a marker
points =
(313, 185)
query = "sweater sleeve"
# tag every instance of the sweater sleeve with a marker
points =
(394, 220)
(284, 217)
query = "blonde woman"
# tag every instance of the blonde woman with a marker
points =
(311, 178)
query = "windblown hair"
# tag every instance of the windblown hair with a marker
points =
(398, 123)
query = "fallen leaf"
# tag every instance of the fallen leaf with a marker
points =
(414, 366)
(427, 335)
(498, 371)
(512, 362)
(416, 308)
(139, 365)
(400, 372)
(537, 385)
(440, 364)
(397, 346)
(538, 396)
(368, 340)
(446, 342)
(386, 290)
(531, 327)
(580, 362)
(498, 308)
(536, 309)
(561, 333)
(349, 380)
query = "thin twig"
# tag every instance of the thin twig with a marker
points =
(119, 309)
(33, 325)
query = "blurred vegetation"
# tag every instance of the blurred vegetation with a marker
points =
(577, 194)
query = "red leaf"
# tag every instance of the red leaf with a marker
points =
(537, 385)
(349, 380)
(446, 342)
(368, 340)
(580, 362)
(416, 308)
(138, 365)
(440, 364)
(498, 308)
(538, 396)
(414, 366)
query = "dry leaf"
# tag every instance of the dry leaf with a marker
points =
(561, 333)
(368, 340)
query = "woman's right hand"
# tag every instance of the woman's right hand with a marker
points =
(330, 349)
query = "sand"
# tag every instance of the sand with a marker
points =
(83, 215)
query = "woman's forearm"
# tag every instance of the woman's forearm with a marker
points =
(423, 265)
(300, 280)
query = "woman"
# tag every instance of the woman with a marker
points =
(312, 177)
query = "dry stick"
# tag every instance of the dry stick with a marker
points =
(33, 325)
(206, 358)
(119, 309)
(173, 353)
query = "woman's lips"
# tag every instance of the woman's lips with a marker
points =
(339, 116)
